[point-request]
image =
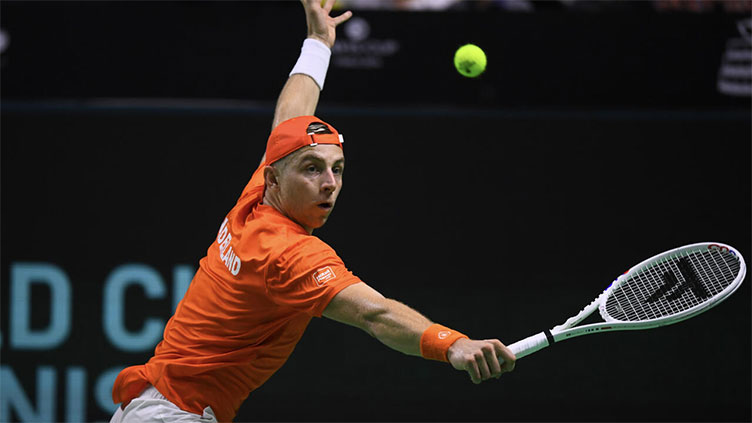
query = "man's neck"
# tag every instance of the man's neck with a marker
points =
(272, 202)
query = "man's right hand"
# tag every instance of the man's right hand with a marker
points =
(480, 359)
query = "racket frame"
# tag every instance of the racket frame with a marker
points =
(567, 330)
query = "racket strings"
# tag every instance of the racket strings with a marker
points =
(673, 285)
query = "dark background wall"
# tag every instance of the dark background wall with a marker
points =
(499, 206)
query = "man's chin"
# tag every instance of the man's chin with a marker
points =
(322, 220)
(314, 224)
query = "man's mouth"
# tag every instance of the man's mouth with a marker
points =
(326, 205)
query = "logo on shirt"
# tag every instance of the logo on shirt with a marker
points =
(226, 254)
(444, 334)
(324, 275)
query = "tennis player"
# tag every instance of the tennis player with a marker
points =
(265, 275)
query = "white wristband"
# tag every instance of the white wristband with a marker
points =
(313, 61)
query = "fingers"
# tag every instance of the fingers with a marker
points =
(342, 18)
(506, 355)
(483, 367)
(317, 15)
(492, 359)
(482, 360)
(473, 371)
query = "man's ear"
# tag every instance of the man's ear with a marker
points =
(271, 178)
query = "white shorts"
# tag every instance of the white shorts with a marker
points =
(153, 407)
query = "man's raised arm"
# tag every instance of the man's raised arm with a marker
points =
(300, 95)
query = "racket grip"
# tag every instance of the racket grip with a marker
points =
(529, 345)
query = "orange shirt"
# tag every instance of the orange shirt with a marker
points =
(249, 303)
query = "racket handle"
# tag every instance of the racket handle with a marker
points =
(529, 345)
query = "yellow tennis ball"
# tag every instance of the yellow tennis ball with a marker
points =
(470, 60)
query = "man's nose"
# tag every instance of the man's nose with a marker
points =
(329, 181)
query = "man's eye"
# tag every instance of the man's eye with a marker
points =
(311, 169)
(337, 170)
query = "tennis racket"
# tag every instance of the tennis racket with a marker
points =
(662, 290)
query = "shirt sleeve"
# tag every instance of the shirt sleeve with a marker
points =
(307, 276)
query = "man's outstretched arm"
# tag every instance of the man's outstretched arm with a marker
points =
(402, 328)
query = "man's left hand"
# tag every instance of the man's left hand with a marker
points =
(321, 26)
